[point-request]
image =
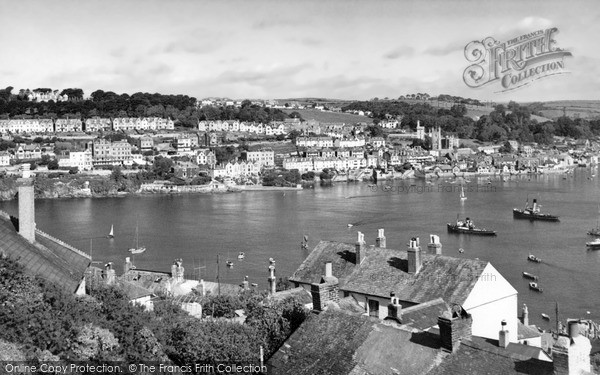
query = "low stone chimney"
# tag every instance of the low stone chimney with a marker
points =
(525, 315)
(455, 325)
(571, 354)
(109, 274)
(434, 247)
(128, 265)
(414, 256)
(360, 248)
(272, 280)
(503, 335)
(177, 270)
(395, 308)
(326, 291)
(26, 205)
(380, 241)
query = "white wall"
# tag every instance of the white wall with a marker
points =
(492, 300)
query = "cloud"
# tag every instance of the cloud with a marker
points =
(277, 22)
(261, 75)
(524, 26)
(403, 51)
(446, 49)
(306, 41)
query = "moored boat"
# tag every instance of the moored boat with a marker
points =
(533, 258)
(468, 227)
(545, 316)
(528, 275)
(535, 286)
(593, 245)
(241, 255)
(532, 213)
(111, 234)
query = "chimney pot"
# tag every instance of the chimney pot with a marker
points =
(414, 256)
(328, 269)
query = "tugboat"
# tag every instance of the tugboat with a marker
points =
(532, 213)
(593, 245)
(530, 276)
(468, 227)
(536, 287)
(533, 258)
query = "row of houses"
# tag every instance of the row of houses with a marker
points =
(94, 124)
(237, 126)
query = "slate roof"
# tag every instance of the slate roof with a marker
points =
(526, 332)
(49, 258)
(336, 343)
(485, 357)
(384, 270)
(424, 315)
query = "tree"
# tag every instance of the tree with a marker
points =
(53, 164)
(117, 175)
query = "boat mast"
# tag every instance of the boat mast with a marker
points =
(557, 321)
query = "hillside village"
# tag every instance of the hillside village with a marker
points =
(352, 307)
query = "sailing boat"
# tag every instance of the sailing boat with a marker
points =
(462, 193)
(111, 234)
(596, 231)
(137, 249)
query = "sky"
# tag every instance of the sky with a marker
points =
(287, 49)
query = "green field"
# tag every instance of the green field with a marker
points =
(588, 109)
(313, 114)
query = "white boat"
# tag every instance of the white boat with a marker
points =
(137, 249)
(111, 234)
(350, 225)
(229, 264)
(241, 255)
(594, 244)
(545, 316)
(462, 193)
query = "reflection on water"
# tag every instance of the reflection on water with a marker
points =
(198, 228)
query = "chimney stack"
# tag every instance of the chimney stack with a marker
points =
(128, 265)
(26, 205)
(328, 269)
(109, 273)
(395, 308)
(360, 248)
(525, 317)
(414, 256)
(177, 270)
(435, 246)
(571, 354)
(455, 324)
(380, 241)
(503, 335)
(272, 280)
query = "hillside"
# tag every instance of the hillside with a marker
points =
(587, 109)
(313, 114)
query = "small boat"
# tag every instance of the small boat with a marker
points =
(229, 264)
(533, 258)
(241, 255)
(462, 193)
(593, 245)
(350, 225)
(545, 316)
(528, 275)
(137, 249)
(111, 234)
(535, 286)
(461, 250)
(254, 285)
(468, 227)
(533, 213)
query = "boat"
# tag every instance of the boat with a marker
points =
(111, 234)
(535, 286)
(467, 227)
(545, 316)
(350, 225)
(229, 264)
(593, 245)
(528, 275)
(462, 193)
(533, 258)
(241, 255)
(137, 249)
(532, 213)
(596, 231)
(304, 243)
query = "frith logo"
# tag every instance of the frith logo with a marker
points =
(516, 62)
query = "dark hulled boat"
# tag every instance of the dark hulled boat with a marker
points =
(455, 228)
(532, 213)
(533, 258)
(535, 286)
(530, 276)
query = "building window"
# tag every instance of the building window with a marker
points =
(373, 308)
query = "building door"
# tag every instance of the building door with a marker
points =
(374, 308)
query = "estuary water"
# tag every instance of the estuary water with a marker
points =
(270, 224)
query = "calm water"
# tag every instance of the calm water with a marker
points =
(197, 228)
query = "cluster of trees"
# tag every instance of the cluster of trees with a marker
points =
(52, 325)
(282, 177)
(181, 108)
(512, 121)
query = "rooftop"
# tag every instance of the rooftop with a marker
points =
(385, 270)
